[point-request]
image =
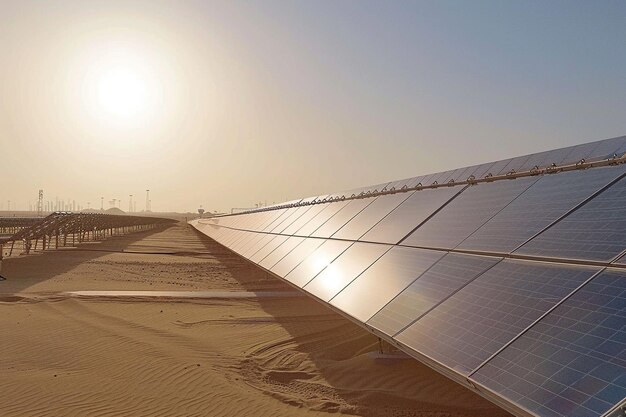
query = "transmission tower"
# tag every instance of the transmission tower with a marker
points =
(40, 204)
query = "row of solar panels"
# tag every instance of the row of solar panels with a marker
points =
(516, 288)
(589, 152)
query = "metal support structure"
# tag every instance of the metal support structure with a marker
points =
(59, 225)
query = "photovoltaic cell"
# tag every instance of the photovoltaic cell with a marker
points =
(544, 202)
(317, 261)
(594, 232)
(291, 218)
(329, 210)
(370, 215)
(279, 253)
(406, 217)
(268, 248)
(573, 361)
(342, 217)
(293, 259)
(256, 245)
(471, 325)
(387, 277)
(503, 323)
(344, 269)
(448, 275)
(296, 225)
(466, 213)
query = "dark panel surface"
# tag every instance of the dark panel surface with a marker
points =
(483, 316)
(596, 231)
(547, 200)
(572, 362)
(466, 213)
(439, 282)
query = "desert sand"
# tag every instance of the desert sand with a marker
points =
(282, 355)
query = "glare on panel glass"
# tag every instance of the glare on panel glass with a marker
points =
(388, 276)
(317, 261)
(344, 269)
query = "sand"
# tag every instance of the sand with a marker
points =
(277, 355)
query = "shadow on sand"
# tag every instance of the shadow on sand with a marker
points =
(21, 273)
(338, 347)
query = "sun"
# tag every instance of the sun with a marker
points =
(122, 93)
(119, 86)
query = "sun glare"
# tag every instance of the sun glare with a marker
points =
(122, 94)
(121, 85)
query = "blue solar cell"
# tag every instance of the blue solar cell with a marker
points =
(557, 367)
(548, 199)
(483, 316)
(385, 279)
(466, 213)
(448, 275)
(594, 232)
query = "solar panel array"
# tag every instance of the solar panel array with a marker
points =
(508, 277)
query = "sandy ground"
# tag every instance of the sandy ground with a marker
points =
(275, 356)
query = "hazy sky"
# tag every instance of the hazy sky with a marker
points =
(229, 103)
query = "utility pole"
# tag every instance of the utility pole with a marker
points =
(147, 200)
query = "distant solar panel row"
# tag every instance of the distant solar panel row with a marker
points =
(516, 287)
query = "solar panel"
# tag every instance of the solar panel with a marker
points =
(548, 199)
(512, 282)
(466, 213)
(279, 253)
(369, 216)
(446, 277)
(408, 215)
(473, 323)
(304, 219)
(340, 272)
(343, 216)
(381, 282)
(266, 249)
(297, 255)
(573, 361)
(328, 211)
(593, 232)
(317, 261)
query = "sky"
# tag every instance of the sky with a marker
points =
(233, 103)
